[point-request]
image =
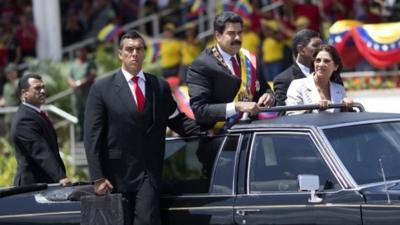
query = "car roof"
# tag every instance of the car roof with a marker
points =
(317, 120)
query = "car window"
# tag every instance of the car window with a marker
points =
(224, 171)
(364, 148)
(277, 160)
(188, 165)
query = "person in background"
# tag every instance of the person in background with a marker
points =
(26, 35)
(82, 76)
(127, 114)
(250, 40)
(191, 48)
(34, 138)
(226, 79)
(319, 88)
(170, 52)
(305, 43)
(10, 94)
(272, 49)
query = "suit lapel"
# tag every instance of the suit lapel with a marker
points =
(312, 90)
(297, 72)
(152, 98)
(123, 91)
(48, 127)
(224, 69)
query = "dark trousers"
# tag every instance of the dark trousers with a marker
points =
(145, 204)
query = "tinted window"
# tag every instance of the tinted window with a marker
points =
(278, 159)
(360, 148)
(188, 165)
(223, 177)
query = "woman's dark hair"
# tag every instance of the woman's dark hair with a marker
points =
(335, 57)
(221, 20)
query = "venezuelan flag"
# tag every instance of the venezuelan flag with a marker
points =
(379, 44)
(244, 9)
(109, 32)
(197, 7)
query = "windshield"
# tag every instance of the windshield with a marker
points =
(361, 147)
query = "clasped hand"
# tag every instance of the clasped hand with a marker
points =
(253, 108)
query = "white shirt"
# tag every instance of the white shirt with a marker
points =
(142, 85)
(230, 107)
(32, 107)
(141, 82)
(304, 69)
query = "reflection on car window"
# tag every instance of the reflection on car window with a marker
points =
(277, 159)
(360, 148)
(188, 165)
(223, 177)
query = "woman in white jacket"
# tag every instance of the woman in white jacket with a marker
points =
(318, 88)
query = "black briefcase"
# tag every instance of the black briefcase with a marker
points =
(109, 209)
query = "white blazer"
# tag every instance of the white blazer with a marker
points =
(304, 91)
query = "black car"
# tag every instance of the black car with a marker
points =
(321, 168)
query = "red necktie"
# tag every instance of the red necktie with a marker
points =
(138, 93)
(44, 115)
(236, 67)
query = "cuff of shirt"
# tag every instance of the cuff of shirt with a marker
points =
(175, 114)
(230, 110)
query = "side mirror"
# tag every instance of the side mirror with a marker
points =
(309, 183)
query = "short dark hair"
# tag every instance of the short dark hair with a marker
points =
(23, 82)
(228, 16)
(303, 37)
(131, 34)
(335, 57)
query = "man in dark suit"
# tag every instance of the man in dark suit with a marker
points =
(217, 78)
(34, 138)
(305, 43)
(126, 118)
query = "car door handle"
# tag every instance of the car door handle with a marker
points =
(243, 212)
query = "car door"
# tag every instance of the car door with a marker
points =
(197, 183)
(271, 192)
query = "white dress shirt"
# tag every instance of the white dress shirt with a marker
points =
(32, 107)
(142, 85)
(304, 69)
(230, 107)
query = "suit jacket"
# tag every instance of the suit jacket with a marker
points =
(283, 80)
(118, 145)
(36, 149)
(303, 91)
(212, 86)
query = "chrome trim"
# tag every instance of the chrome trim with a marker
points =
(326, 205)
(360, 123)
(40, 214)
(338, 169)
(360, 187)
(197, 208)
(212, 178)
(195, 196)
(39, 198)
(236, 163)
